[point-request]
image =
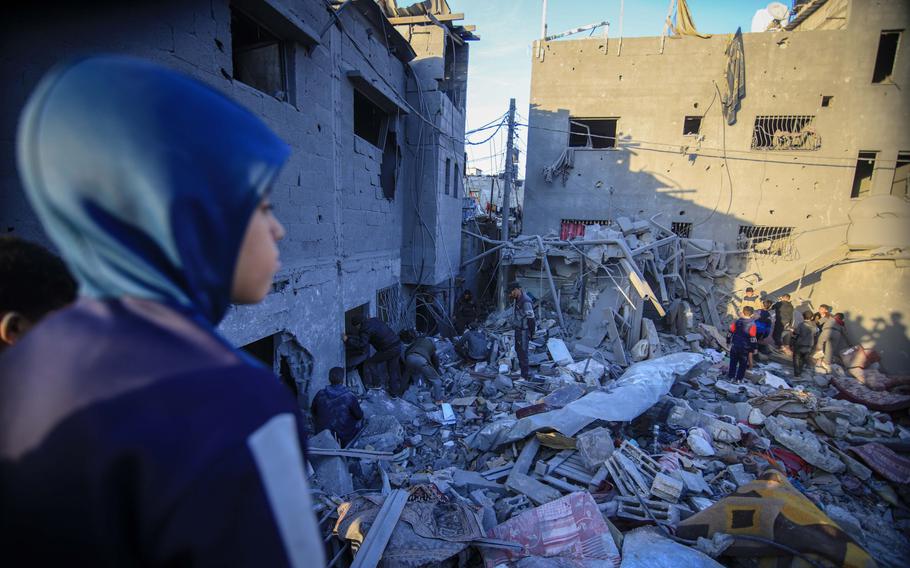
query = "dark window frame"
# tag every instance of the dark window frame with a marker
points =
(681, 229)
(286, 91)
(448, 173)
(688, 123)
(581, 134)
(370, 121)
(903, 161)
(786, 132)
(879, 76)
(865, 161)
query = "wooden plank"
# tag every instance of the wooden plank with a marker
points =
(405, 20)
(642, 287)
(613, 333)
(370, 552)
(536, 491)
(635, 323)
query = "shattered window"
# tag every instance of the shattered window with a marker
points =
(862, 177)
(785, 132)
(767, 240)
(390, 306)
(370, 121)
(884, 58)
(681, 229)
(259, 57)
(900, 185)
(592, 132)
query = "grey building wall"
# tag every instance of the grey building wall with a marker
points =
(718, 183)
(344, 238)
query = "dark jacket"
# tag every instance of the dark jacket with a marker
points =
(375, 332)
(424, 347)
(783, 311)
(337, 409)
(466, 310)
(131, 432)
(743, 334)
(523, 314)
(474, 345)
(803, 337)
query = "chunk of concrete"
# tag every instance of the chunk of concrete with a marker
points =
(332, 473)
(595, 446)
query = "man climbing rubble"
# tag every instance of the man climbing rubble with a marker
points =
(385, 362)
(335, 408)
(523, 323)
(420, 359)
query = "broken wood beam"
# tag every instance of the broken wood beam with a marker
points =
(425, 19)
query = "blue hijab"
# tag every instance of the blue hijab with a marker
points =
(145, 179)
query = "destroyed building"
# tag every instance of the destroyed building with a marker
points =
(487, 190)
(371, 99)
(786, 153)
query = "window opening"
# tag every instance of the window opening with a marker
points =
(370, 121)
(456, 181)
(263, 350)
(887, 53)
(592, 132)
(900, 185)
(572, 228)
(682, 229)
(390, 306)
(827, 100)
(391, 162)
(259, 56)
(766, 240)
(785, 132)
(448, 171)
(862, 177)
(692, 125)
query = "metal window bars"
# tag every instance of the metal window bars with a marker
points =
(390, 306)
(766, 240)
(785, 132)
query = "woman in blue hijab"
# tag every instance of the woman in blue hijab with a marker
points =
(131, 433)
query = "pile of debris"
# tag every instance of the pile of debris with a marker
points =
(628, 447)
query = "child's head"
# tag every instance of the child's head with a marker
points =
(33, 283)
(748, 311)
(767, 304)
(152, 184)
(808, 315)
(750, 291)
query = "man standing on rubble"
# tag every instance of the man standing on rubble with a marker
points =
(375, 332)
(742, 344)
(831, 339)
(336, 408)
(802, 341)
(783, 320)
(524, 324)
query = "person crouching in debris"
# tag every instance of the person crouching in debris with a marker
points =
(474, 345)
(335, 408)
(133, 432)
(465, 311)
(742, 343)
(420, 359)
(33, 283)
(386, 362)
(523, 323)
(802, 342)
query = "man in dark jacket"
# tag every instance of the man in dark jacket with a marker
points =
(385, 362)
(474, 345)
(336, 408)
(421, 359)
(783, 320)
(465, 311)
(742, 344)
(802, 341)
(523, 323)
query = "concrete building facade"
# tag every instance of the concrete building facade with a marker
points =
(339, 83)
(807, 187)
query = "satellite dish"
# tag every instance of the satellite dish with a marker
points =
(761, 20)
(778, 11)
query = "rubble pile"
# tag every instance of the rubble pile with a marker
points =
(628, 447)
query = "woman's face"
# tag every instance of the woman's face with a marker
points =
(258, 261)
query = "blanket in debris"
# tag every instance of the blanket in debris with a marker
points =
(771, 508)
(431, 528)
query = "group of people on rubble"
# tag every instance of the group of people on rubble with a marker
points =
(762, 322)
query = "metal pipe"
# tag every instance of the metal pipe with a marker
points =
(483, 254)
(546, 265)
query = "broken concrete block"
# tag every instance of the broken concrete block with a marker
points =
(595, 446)
(332, 473)
(502, 382)
(700, 442)
(666, 488)
(382, 433)
(559, 352)
(756, 418)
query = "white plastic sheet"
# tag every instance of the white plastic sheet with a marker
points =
(637, 390)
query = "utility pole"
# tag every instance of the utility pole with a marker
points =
(543, 22)
(506, 188)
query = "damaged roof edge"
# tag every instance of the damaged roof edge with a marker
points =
(398, 45)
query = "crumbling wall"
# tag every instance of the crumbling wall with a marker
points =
(715, 181)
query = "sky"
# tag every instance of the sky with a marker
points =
(500, 63)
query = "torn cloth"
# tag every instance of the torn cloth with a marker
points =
(685, 25)
(736, 77)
